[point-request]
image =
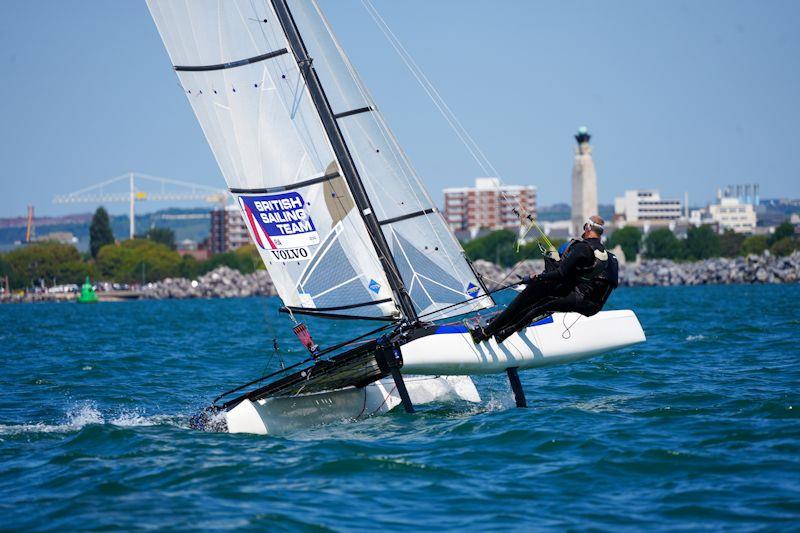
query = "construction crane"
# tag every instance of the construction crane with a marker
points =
(183, 191)
(30, 229)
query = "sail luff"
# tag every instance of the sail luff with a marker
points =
(344, 158)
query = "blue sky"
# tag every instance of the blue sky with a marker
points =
(682, 96)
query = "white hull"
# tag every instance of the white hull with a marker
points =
(448, 352)
(564, 338)
(282, 415)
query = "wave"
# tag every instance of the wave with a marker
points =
(88, 414)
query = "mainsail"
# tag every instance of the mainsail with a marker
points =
(340, 217)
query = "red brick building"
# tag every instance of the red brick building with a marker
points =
(488, 205)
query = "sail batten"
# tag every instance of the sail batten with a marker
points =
(281, 188)
(232, 64)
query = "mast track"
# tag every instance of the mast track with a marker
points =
(344, 157)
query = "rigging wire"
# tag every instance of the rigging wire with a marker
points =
(447, 113)
(472, 146)
(402, 162)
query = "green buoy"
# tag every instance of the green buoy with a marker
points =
(87, 296)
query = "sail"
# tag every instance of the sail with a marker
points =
(248, 93)
(430, 261)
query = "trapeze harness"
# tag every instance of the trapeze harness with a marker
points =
(594, 283)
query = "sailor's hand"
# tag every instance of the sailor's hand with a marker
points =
(526, 279)
(552, 253)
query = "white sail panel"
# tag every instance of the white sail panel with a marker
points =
(249, 96)
(429, 259)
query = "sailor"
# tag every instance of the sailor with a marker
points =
(579, 280)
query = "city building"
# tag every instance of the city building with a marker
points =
(645, 206)
(488, 205)
(63, 237)
(193, 248)
(584, 182)
(728, 213)
(732, 213)
(228, 230)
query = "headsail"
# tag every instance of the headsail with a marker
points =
(294, 182)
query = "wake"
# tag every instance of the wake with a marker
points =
(88, 414)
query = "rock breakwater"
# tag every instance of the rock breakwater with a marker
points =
(222, 282)
(764, 268)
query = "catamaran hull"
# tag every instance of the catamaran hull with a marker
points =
(559, 339)
(447, 353)
(285, 414)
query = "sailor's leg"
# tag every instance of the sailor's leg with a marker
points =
(533, 294)
(524, 321)
(517, 307)
(516, 387)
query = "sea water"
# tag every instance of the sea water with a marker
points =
(699, 427)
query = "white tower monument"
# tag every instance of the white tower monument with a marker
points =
(584, 182)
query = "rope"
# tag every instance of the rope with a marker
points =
(566, 334)
(496, 289)
(436, 98)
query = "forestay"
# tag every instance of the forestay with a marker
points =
(430, 261)
(248, 94)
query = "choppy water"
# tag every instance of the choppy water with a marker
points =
(700, 427)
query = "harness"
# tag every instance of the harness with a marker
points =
(604, 269)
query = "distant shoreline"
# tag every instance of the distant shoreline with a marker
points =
(225, 282)
(753, 269)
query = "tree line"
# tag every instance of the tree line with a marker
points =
(702, 242)
(144, 259)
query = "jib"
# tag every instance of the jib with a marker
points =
(292, 253)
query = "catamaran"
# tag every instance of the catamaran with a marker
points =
(344, 225)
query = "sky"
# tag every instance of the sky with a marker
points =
(679, 96)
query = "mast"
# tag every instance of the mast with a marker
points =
(344, 157)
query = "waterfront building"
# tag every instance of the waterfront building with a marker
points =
(645, 206)
(487, 205)
(555, 229)
(193, 248)
(63, 237)
(732, 213)
(228, 230)
(584, 182)
(728, 213)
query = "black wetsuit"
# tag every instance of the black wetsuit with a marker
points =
(581, 281)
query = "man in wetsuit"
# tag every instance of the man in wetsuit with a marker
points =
(580, 280)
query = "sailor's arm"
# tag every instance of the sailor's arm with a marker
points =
(580, 252)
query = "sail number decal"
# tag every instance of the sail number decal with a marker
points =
(280, 225)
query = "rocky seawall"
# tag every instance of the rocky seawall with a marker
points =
(225, 282)
(764, 268)
(222, 282)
